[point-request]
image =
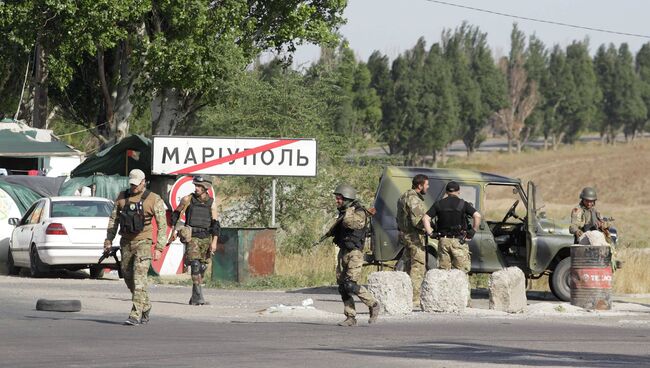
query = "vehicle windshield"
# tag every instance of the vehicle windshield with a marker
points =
(81, 209)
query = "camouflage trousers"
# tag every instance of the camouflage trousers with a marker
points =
(415, 260)
(453, 254)
(197, 249)
(348, 271)
(136, 260)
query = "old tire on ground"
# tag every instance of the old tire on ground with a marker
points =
(558, 282)
(11, 267)
(71, 305)
(96, 271)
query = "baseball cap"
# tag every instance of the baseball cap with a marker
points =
(452, 186)
(136, 176)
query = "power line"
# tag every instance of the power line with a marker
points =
(538, 20)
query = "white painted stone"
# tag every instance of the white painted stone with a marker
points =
(444, 291)
(393, 290)
(508, 290)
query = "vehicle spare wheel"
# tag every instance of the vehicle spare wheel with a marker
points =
(71, 305)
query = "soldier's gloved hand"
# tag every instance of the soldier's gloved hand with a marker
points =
(579, 233)
(107, 245)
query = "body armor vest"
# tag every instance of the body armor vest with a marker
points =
(199, 214)
(451, 219)
(346, 238)
(132, 217)
(593, 218)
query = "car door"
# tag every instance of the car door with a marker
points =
(531, 231)
(21, 237)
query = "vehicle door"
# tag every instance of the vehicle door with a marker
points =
(485, 253)
(21, 237)
(531, 230)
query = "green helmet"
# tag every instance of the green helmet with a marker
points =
(589, 194)
(347, 191)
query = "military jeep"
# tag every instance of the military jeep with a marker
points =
(514, 230)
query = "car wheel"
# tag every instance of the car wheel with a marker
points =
(558, 282)
(11, 266)
(432, 259)
(72, 305)
(36, 266)
(96, 271)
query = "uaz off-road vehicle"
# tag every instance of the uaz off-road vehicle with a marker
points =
(514, 230)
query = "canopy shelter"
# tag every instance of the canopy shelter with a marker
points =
(132, 152)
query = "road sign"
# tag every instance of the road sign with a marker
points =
(180, 189)
(234, 156)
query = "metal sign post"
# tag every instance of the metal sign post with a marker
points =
(273, 203)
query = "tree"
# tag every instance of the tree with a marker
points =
(481, 89)
(536, 66)
(381, 81)
(557, 87)
(522, 92)
(643, 72)
(622, 102)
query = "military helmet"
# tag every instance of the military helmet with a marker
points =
(589, 194)
(347, 191)
(201, 181)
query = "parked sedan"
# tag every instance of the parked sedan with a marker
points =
(61, 232)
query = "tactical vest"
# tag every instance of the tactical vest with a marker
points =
(199, 214)
(593, 218)
(451, 219)
(346, 238)
(132, 217)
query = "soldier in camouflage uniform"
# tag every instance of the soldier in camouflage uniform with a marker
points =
(585, 217)
(349, 232)
(199, 233)
(452, 230)
(412, 230)
(133, 212)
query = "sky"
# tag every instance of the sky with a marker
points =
(393, 26)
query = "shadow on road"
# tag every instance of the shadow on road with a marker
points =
(470, 353)
(102, 321)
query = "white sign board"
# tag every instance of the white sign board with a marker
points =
(233, 156)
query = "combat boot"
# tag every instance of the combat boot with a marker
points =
(349, 322)
(374, 312)
(145, 317)
(197, 296)
(131, 321)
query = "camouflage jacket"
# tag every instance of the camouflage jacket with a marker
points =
(410, 211)
(153, 207)
(584, 219)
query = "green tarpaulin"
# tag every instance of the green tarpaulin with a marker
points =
(15, 142)
(133, 152)
(24, 197)
(105, 186)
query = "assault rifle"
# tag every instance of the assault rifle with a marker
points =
(112, 253)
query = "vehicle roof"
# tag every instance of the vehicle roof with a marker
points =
(449, 174)
(78, 198)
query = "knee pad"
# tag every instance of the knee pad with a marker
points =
(203, 268)
(351, 287)
(196, 267)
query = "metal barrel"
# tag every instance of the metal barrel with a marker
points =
(591, 277)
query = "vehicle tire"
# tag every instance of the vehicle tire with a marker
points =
(71, 305)
(11, 267)
(96, 271)
(36, 266)
(558, 282)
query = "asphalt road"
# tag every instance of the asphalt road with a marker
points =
(233, 333)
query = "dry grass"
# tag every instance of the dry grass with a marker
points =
(619, 173)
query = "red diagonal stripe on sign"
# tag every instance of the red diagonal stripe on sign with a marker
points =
(234, 156)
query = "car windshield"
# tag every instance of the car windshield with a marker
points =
(81, 209)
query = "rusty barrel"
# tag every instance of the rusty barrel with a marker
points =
(591, 277)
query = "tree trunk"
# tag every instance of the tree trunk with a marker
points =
(167, 112)
(39, 115)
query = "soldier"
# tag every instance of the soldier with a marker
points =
(199, 234)
(585, 217)
(134, 208)
(349, 232)
(412, 230)
(452, 232)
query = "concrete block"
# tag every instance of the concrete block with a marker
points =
(508, 290)
(393, 290)
(444, 291)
